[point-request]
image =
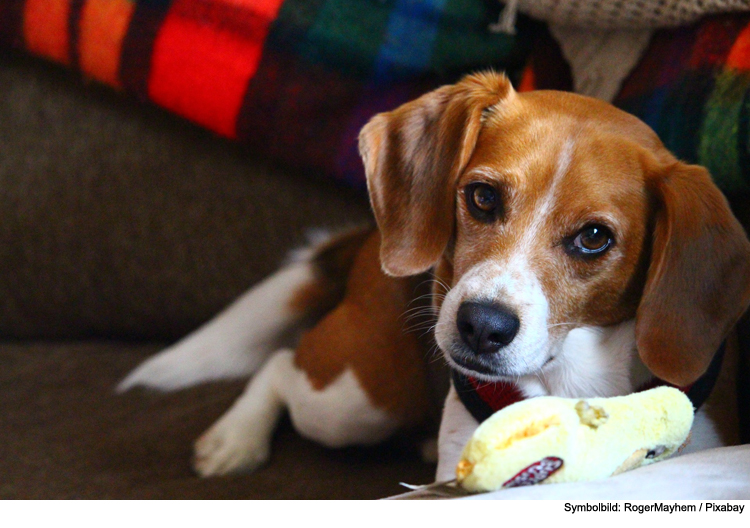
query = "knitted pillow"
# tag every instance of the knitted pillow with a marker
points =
(294, 79)
(602, 40)
(609, 14)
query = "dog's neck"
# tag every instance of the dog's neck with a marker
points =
(605, 363)
(591, 362)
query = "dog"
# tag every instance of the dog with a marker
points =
(569, 254)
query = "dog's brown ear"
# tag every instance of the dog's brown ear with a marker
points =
(698, 281)
(413, 157)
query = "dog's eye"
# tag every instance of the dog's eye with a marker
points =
(592, 240)
(482, 200)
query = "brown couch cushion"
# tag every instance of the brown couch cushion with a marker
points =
(64, 433)
(119, 220)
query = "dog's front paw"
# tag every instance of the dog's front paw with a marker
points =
(225, 449)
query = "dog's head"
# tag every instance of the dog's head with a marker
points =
(545, 211)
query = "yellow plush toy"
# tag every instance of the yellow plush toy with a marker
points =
(548, 439)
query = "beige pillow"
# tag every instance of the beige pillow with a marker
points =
(618, 14)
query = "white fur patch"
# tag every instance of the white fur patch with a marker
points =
(339, 415)
(456, 427)
(512, 285)
(550, 198)
(594, 362)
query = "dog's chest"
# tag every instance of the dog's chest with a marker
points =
(591, 362)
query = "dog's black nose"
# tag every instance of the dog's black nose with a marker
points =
(486, 328)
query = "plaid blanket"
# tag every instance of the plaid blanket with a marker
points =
(693, 88)
(293, 79)
(297, 79)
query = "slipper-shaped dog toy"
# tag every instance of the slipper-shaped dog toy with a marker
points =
(549, 439)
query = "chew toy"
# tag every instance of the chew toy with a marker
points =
(549, 439)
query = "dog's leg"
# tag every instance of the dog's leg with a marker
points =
(336, 415)
(236, 342)
(241, 438)
(456, 428)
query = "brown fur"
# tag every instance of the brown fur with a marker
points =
(366, 332)
(697, 286)
(332, 260)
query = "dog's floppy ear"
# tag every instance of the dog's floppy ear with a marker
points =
(698, 282)
(413, 157)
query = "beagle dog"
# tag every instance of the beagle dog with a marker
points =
(568, 252)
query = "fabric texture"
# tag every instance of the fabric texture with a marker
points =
(601, 59)
(693, 88)
(604, 39)
(66, 435)
(295, 79)
(120, 221)
(612, 14)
